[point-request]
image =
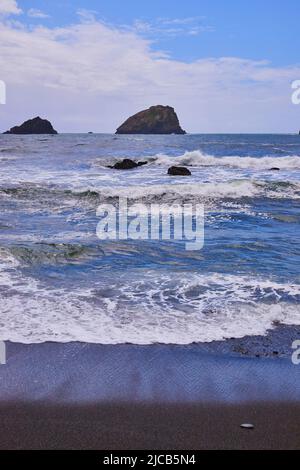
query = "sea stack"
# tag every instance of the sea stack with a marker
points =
(155, 120)
(33, 126)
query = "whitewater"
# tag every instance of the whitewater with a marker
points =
(59, 282)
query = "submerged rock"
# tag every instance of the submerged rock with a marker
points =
(33, 126)
(179, 171)
(155, 120)
(127, 164)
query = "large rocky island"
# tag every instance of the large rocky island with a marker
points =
(33, 126)
(155, 120)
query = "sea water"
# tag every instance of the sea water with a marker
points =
(59, 282)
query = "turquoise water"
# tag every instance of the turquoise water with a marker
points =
(59, 282)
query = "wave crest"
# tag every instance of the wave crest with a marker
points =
(155, 308)
(197, 158)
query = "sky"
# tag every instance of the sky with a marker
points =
(226, 66)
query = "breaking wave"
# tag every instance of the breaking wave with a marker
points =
(236, 189)
(50, 253)
(152, 307)
(232, 189)
(198, 158)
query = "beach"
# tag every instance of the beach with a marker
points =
(87, 396)
(140, 343)
(149, 230)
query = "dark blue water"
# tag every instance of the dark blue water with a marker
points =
(59, 282)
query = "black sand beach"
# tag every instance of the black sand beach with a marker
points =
(149, 229)
(114, 426)
(86, 396)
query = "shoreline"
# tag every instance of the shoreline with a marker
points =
(86, 373)
(87, 396)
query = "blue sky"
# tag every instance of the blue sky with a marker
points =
(253, 29)
(226, 66)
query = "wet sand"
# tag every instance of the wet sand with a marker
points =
(86, 396)
(114, 426)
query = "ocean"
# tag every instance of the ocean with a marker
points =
(59, 282)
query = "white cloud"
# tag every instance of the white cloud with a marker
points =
(87, 16)
(9, 7)
(91, 76)
(187, 20)
(171, 27)
(35, 13)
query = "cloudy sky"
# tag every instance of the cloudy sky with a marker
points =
(226, 66)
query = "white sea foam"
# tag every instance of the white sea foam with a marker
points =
(162, 305)
(153, 307)
(198, 158)
(229, 189)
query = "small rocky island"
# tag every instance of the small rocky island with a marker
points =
(33, 126)
(155, 120)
